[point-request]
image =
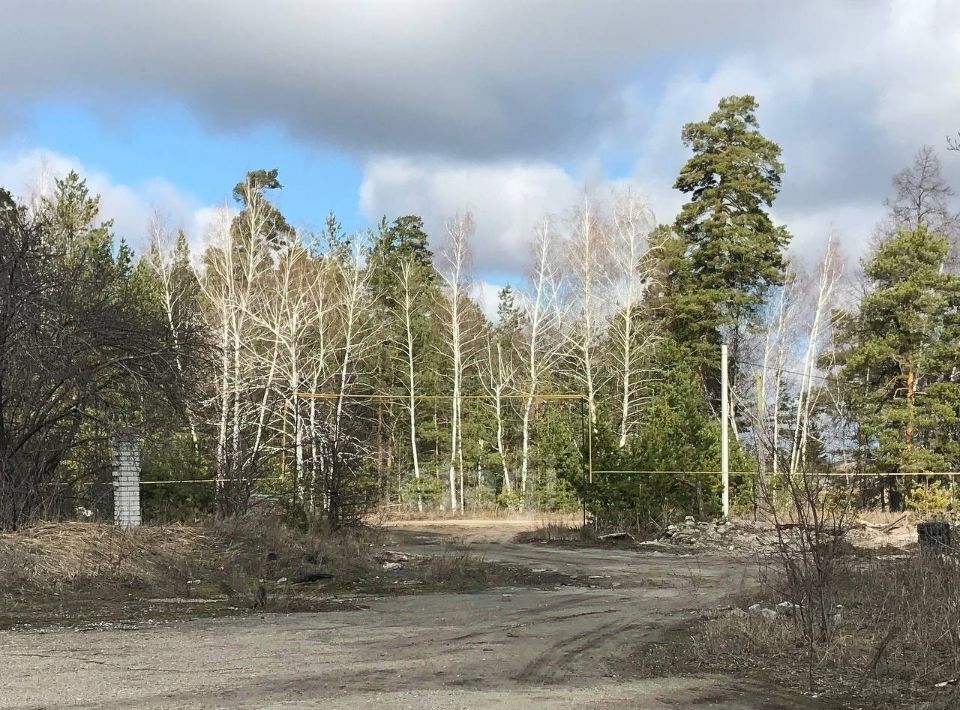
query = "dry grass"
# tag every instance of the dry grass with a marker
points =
(555, 532)
(77, 572)
(899, 636)
(225, 558)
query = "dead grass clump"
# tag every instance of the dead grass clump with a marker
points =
(457, 569)
(555, 531)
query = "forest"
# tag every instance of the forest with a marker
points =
(339, 373)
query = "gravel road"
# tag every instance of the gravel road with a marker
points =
(505, 648)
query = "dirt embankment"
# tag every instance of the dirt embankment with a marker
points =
(81, 573)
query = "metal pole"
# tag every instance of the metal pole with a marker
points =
(724, 421)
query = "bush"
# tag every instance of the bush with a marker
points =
(929, 498)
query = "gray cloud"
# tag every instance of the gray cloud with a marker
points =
(469, 79)
(446, 102)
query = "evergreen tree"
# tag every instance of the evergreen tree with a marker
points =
(729, 253)
(258, 212)
(899, 354)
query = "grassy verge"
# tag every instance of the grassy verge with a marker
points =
(72, 573)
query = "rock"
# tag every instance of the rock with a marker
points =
(739, 614)
(506, 597)
(768, 614)
(392, 566)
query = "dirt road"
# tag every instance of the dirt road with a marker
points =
(507, 648)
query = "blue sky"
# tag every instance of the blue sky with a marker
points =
(166, 140)
(511, 109)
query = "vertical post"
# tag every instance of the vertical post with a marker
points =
(126, 479)
(724, 423)
(584, 454)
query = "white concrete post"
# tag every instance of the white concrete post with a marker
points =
(126, 479)
(724, 421)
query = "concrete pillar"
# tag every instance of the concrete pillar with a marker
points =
(126, 479)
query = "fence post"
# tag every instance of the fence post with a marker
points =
(126, 479)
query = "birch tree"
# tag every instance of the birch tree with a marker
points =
(357, 330)
(288, 318)
(542, 320)
(499, 375)
(588, 267)
(411, 283)
(454, 263)
(168, 258)
(632, 270)
(823, 305)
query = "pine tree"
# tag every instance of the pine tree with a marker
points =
(730, 252)
(899, 354)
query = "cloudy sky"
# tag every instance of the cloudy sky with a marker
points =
(510, 108)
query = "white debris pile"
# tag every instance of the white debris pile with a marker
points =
(718, 534)
(783, 610)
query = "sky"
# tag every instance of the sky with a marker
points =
(512, 109)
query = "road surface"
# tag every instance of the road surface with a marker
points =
(504, 648)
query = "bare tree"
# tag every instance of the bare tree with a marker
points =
(588, 266)
(287, 319)
(75, 351)
(630, 277)
(922, 198)
(454, 269)
(542, 316)
(410, 294)
(167, 257)
(232, 279)
(499, 378)
(823, 303)
(358, 328)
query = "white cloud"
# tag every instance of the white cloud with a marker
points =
(507, 201)
(131, 207)
(487, 296)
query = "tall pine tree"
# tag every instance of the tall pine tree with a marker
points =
(730, 253)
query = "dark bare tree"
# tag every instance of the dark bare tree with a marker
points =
(922, 198)
(81, 350)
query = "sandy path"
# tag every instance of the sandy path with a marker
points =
(510, 648)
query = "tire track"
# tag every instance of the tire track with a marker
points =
(551, 665)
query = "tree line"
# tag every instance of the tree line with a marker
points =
(337, 372)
